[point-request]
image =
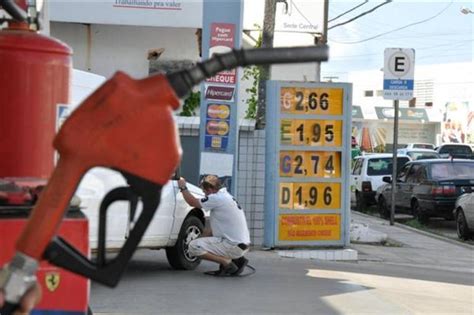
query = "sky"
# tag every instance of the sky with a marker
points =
(442, 34)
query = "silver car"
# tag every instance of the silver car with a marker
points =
(464, 214)
(419, 154)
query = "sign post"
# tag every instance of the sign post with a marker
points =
(398, 82)
(218, 137)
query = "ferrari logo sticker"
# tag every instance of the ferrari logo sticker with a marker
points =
(52, 280)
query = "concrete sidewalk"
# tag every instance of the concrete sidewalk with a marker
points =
(414, 247)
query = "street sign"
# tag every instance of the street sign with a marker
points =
(399, 71)
(307, 160)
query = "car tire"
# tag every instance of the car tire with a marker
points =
(461, 225)
(360, 203)
(384, 211)
(178, 256)
(418, 213)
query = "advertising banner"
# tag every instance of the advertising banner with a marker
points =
(159, 13)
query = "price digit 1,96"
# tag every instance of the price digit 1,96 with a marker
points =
(312, 198)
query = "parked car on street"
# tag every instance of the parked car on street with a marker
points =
(174, 225)
(427, 188)
(367, 175)
(429, 146)
(456, 150)
(464, 215)
(419, 154)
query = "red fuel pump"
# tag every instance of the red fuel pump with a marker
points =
(34, 78)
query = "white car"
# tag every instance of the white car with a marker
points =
(174, 225)
(455, 150)
(429, 146)
(419, 154)
(367, 174)
(464, 215)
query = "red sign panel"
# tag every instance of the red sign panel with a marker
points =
(222, 40)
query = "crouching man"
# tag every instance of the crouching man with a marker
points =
(228, 240)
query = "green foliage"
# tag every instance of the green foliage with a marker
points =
(414, 223)
(191, 103)
(253, 73)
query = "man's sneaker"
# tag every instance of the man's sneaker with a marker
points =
(219, 272)
(240, 263)
(231, 268)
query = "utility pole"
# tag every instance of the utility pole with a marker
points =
(324, 38)
(267, 42)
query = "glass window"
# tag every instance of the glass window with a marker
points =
(412, 174)
(423, 146)
(456, 149)
(368, 93)
(423, 155)
(383, 166)
(403, 173)
(357, 167)
(452, 170)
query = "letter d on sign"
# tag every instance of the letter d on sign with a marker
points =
(285, 195)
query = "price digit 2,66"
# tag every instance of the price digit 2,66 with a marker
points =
(313, 101)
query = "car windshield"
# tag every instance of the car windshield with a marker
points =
(456, 149)
(423, 146)
(450, 170)
(383, 166)
(423, 155)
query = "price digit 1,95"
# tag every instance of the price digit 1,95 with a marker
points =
(311, 132)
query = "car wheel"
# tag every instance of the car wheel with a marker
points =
(360, 203)
(384, 211)
(178, 255)
(461, 225)
(418, 213)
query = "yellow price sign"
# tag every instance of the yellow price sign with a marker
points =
(319, 101)
(310, 195)
(310, 164)
(309, 227)
(311, 132)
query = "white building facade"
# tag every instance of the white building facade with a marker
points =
(443, 102)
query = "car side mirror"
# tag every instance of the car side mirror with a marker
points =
(177, 174)
(466, 190)
(387, 179)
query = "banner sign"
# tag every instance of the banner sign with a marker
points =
(162, 13)
(218, 113)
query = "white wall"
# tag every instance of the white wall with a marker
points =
(452, 82)
(125, 48)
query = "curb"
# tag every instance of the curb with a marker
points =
(426, 233)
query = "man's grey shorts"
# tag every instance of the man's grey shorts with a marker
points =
(217, 246)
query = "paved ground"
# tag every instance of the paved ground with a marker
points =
(418, 274)
(435, 225)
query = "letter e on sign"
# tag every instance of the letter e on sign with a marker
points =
(399, 63)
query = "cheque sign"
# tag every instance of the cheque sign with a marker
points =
(307, 164)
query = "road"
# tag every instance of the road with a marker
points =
(385, 280)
